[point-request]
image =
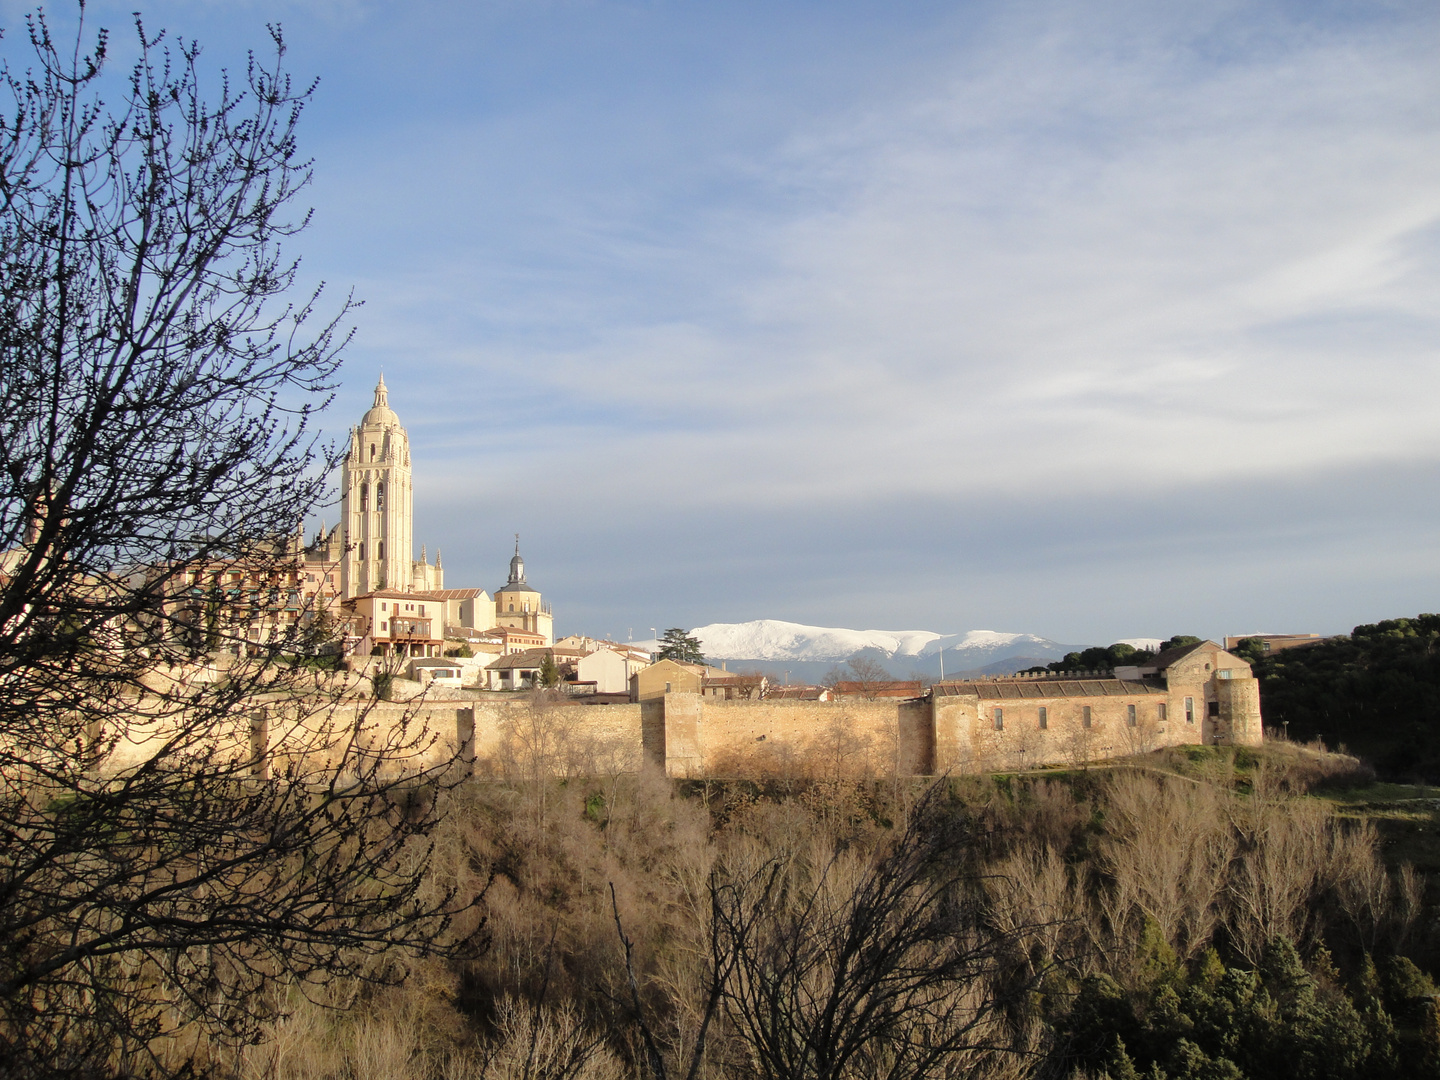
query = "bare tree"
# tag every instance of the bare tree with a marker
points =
(1281, 850)
(172, 844)
(880, 967)
(863, 675)
(1167, 853)
(826, 963)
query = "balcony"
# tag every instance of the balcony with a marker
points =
(406, 630)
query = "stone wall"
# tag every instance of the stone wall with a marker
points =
(967, 738)
(714, 737)
(689, 735)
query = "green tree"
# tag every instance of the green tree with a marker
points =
(1101, 657)
(676, 644)
(1179, 641)
(1251, 649)
(548, 675)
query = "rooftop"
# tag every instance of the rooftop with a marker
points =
(1005, 690)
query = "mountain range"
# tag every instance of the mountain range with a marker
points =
(807, 652)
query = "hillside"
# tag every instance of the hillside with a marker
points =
(1376, 691)
(1197, 914)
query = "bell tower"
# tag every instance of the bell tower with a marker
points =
(376, 503)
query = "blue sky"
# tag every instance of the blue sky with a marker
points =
(1086, 320)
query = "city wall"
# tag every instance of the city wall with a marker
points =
(689, 735)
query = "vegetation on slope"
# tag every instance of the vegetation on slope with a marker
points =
(1376, 692)
(1196, 913)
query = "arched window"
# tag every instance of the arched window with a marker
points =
(372, 451)
(380, 549)
(362, 550)
(364, 497)
(379, 495)
(512, 605)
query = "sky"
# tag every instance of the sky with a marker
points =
(1085, 320)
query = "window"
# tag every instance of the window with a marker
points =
(1189, 710)
(383, 607)
(382, 626)
(422, 609)
(512, 608)
(1085, 716)
(1130, 715)
(364, 497)
(379, 495)
(999, 718)
(1213, 708)
(1161, 714)
(362, 549)
(667, 688)
(372, 451)
(379, 545)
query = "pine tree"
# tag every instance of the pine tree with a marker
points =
(680, 646)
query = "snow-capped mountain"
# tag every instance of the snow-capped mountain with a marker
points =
(1151, 643)
(773, 640)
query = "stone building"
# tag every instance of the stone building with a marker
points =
(399, 622)
(377, 509)
(1191, 695)
(370, 553)
(519, 605)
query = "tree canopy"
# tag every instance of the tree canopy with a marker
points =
(676, 644)
(1376, 691)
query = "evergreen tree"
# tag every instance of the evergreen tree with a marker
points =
(676, 644)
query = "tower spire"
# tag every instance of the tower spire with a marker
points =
(517, 566)
(382, 396)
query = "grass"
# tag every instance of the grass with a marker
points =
(1407, 817)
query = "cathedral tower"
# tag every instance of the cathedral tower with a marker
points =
(518, 604)
(376, 500)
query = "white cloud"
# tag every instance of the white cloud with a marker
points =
(1106, 251)
(1155, 250)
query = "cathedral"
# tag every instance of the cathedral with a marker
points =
(368, 559)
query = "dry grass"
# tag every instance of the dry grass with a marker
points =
(1075, 873)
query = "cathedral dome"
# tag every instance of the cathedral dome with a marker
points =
(517, 581)
(380, 413)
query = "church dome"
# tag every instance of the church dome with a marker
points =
(380, 413)
(517, 581)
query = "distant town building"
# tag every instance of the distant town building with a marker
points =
(1275, 642)
(518, 604)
